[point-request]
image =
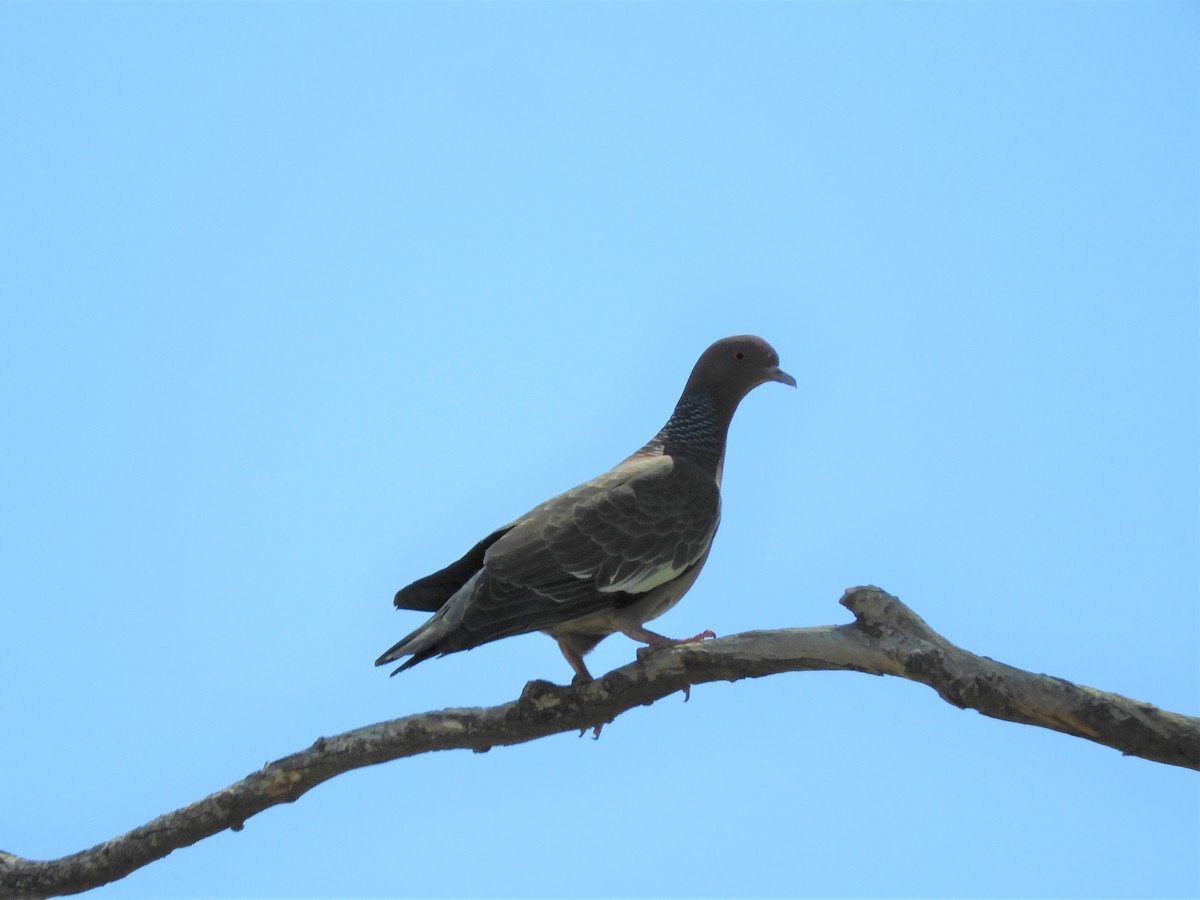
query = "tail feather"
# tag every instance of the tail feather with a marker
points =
(419, 642)
(416, 658)
(427, 640)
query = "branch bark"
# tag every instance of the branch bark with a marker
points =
(886, 638)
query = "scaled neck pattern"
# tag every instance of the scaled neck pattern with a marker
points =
(696, 430)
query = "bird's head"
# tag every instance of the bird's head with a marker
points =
(734, 366)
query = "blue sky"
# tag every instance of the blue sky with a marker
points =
(299, 300)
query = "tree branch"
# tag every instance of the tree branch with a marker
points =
(886, 638)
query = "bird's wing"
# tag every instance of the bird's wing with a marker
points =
(599, 546)
(430, 592)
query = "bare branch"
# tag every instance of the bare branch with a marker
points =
(887, 638)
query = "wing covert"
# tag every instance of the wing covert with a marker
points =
(600, 545)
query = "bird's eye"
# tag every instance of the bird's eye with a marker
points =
(739, 355)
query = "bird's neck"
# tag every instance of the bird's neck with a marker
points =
(696, 431)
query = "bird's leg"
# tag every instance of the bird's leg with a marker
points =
(655, 641)
(575, 658)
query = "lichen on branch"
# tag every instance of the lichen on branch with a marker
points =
(886, 638)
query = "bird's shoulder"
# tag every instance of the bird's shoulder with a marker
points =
(644, 508)
(640, 486)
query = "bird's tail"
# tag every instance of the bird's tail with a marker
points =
(408, 664)
(426, 640)
(420, 645)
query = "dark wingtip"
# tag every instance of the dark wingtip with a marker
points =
(409, 663)
(390, 654)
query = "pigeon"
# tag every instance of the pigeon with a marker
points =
(606, 556)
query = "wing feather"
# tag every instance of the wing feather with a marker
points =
(597, 546)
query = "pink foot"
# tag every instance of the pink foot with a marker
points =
(644, 652)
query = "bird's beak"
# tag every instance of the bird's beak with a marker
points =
(777, 374)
